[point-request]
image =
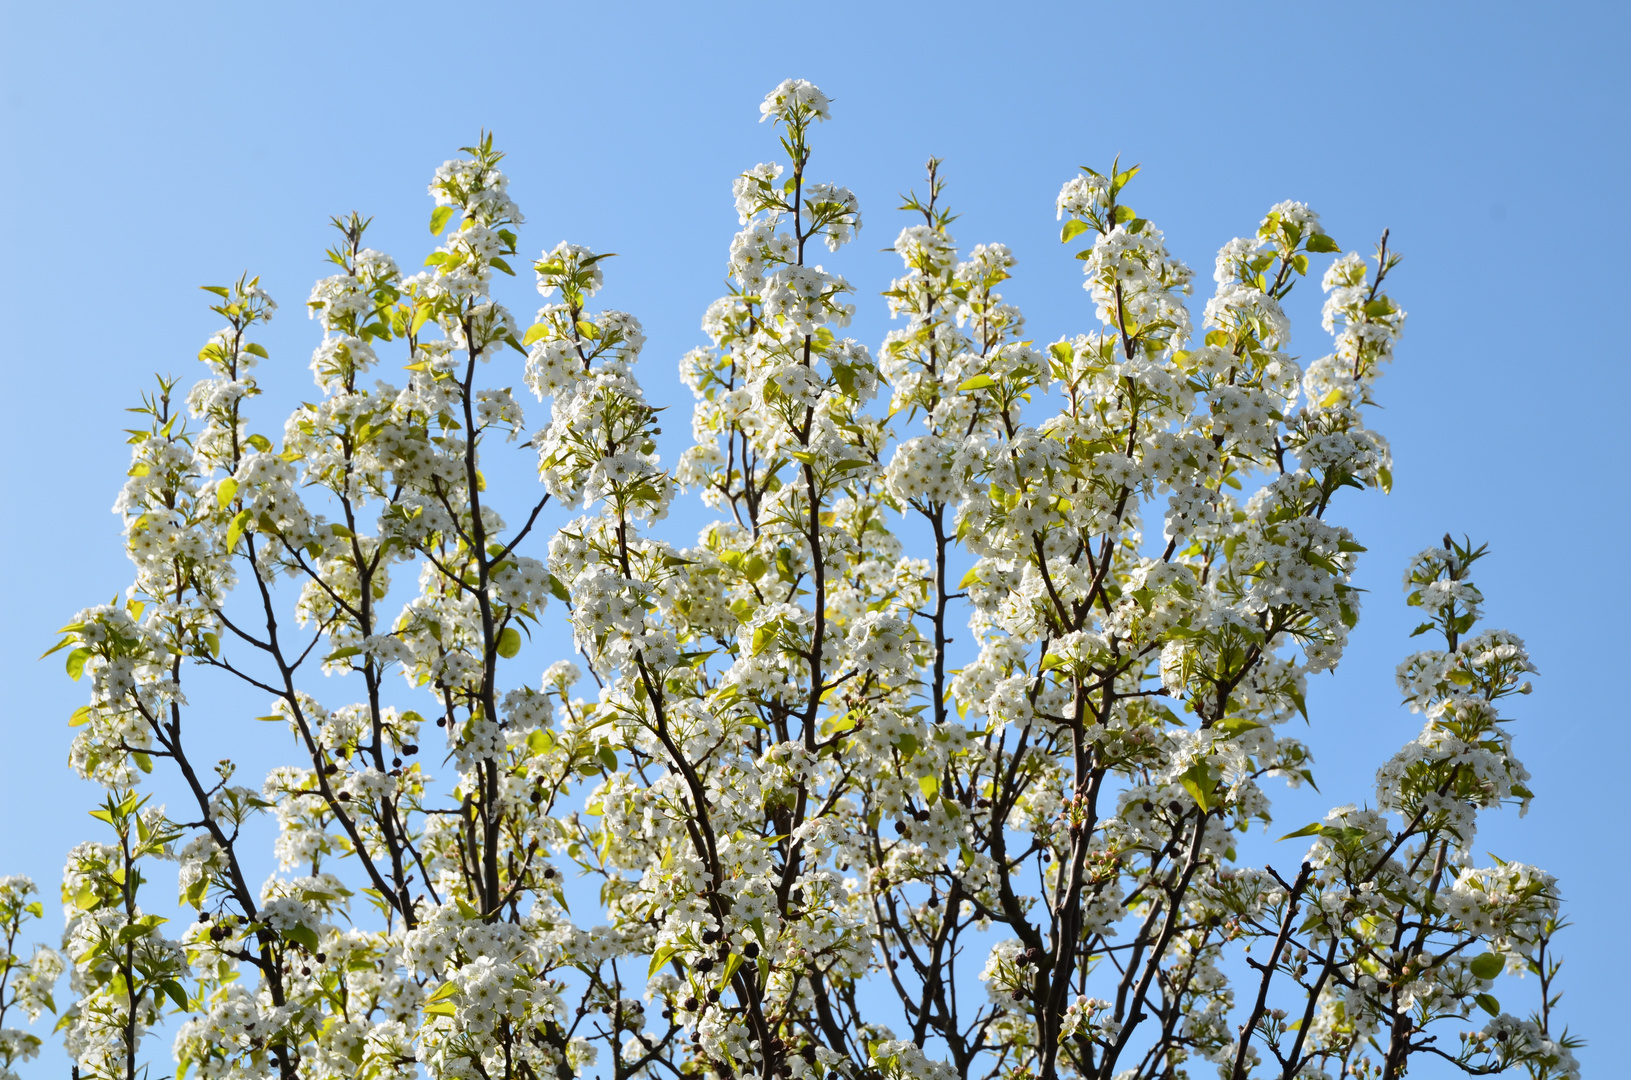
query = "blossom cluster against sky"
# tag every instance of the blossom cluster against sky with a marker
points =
(153, 150)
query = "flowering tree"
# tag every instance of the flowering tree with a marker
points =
(821, 850)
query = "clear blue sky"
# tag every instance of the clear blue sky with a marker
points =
(153, 148)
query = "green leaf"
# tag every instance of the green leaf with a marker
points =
(1320, 244)
(1201, 783)
(1307, 831)
(302, 934)
(1073, 228)
(1488, 1003)
(978, 382)
(439, 219)
(509, 642)
(1297, 699)
(441, 1008)
(443, 992)
(342, 654)
(176, 993)
(557, 589)
(658, 959)
(76, 662)
(236, 529)
(534, 332)
(257, 350)
(421, 312)
(1488, 965)
(260, 442)
(225, 492)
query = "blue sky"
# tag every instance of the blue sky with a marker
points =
(150, 149)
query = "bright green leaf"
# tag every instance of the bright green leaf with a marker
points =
(302, 934)
(76, 662)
